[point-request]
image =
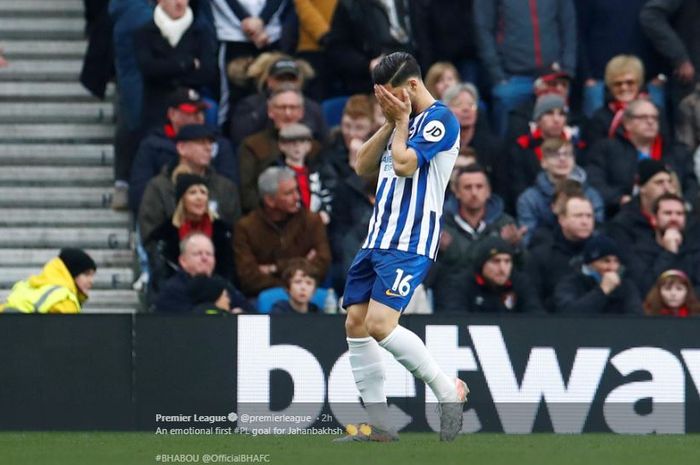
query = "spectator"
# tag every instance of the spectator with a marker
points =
(300, 281)
(624, 79)
(355, 128)
(607, 29)
(173, 51)
(192, 214)
(672, 295)
(676, 245)
(257, 152)
(194, 147)
(549, 262)
(688, 126)
(480, 215)
(277, 231)
(440, 77)
(158, 148)
(209, 296)
(549, 81)
(612, 163)
(599, 286)
(62, 286)
(633, 223)
(465, 157)
(272, 72)
(463, 100)
(244, 28)
(295, 143)
(314, 24)
(3, 60)
(550, 117)
(516, 39)
(534, 206)
(361, 32)
(444, 31)
(196, 259)
(671, 25)
(492, 286)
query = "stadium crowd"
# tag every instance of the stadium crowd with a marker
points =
(575, 189)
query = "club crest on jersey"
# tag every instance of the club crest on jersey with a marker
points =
(434, 131)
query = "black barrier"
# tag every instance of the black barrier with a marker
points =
(185, 375)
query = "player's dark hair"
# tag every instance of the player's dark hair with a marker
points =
(395, 68)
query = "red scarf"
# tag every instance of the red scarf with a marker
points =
(681, 312)
(205, 227)
(534, 141)
(169, 131)
(302, 174)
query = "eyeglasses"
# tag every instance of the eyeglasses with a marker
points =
(652, 118)
(627, 83)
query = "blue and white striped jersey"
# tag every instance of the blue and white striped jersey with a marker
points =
(407, 210)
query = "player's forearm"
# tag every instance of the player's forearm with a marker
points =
(371, 151)
(403, 159)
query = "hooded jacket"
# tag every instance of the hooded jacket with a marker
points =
(534, 206)
(51, 291)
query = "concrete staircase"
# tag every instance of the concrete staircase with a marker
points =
(56, 155)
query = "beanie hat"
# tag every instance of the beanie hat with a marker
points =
(204, 289)
(599, 246)
(548, 102)
(76, 261)
(488, 248)
(648, 168)
(195, 132)
(295, 131)
(184, 181)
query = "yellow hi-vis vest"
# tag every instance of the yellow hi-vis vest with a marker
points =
(28, 299)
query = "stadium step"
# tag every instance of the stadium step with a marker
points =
(38, 257)
(108, 278)
(20, 27)
(24, 49)
(36, 237)
(45, 70)
(57, 154)
(56, 176)
(94, 217)
(57, 132)
(55, 197)
(56, 112)
(46, 91)
(41, 8)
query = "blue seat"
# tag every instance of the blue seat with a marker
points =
(333, 110)
(270, 297)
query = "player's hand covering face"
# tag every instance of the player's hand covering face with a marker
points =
(394, 108)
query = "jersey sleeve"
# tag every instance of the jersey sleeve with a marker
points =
(437, 134)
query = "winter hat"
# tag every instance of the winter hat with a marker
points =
(548, 102)
(204, 289)
(195, 132)
(185, 181)
(295, 131)
(76, 261)
(599, 246)
(648, 168)
(488, 248)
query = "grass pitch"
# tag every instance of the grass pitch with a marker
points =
(417, 448)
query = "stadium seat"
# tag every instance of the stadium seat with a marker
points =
(333, 110)
(269, 297)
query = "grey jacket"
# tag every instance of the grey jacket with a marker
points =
(510, 44)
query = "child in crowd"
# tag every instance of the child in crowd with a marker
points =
(295, 145)
(672, 295)
(300, 280)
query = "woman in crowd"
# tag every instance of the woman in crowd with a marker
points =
(672, 295)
